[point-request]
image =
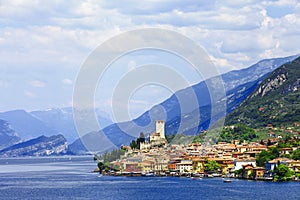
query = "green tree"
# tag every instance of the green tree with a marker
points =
(140, 140)
(133, 144)
(238, 173)
(239, 132)
(263, 157)
(296, 154)
(282, 173)
(100, 167)
(211, 166)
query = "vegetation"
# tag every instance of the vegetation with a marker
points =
(103, 166)
(238, 173)
(227, 134)
(296, 154)
(274, 152)
(282, 173)
(179, 139)
(238, 132)
(279, 106)
(211, 166)
(266, 156)
(113, 155)
(135, 144)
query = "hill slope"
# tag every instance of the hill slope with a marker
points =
(238, 85)
(275, 101)
(8, 136)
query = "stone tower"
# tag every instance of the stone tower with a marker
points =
(160, 128)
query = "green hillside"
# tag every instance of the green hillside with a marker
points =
(276, 100)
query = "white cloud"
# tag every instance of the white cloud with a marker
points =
(37, 83)
(67, 81)
(51, 39)
(29, 94)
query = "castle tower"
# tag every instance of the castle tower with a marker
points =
(160, 128)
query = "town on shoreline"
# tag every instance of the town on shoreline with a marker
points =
(248, 160)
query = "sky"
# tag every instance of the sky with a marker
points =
(43, 44)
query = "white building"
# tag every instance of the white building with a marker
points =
(238, 163)
(185, 166)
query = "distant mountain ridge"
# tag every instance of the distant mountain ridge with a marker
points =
(275, 100)
(238, 84)
(48, 122)
(41, 146)
(8, 136)
(26, 125)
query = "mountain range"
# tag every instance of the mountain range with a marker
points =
(275, 101)
(57, 123)
(238, 85)
(29, 125)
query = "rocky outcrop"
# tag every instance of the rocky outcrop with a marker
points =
(271, 85)
(41, 146)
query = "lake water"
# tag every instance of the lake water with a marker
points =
(71, 178)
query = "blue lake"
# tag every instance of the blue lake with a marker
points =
(71, 178)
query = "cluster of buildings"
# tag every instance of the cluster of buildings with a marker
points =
(156, 156)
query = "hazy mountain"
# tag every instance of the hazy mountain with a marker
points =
(8, 136)
(26, 125)
(238, 84)
(48, 122)
(41, 146)
(275, 100)
(61, 119)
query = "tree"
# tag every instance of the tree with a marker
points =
(282, 173)
(140, 140)
(211, 166)
(296, 154)
(133, 144)
(101, 167)
(136, 144)
(263, 157)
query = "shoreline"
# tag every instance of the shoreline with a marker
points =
(191, 176)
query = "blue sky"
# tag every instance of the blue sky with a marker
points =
(44, 43)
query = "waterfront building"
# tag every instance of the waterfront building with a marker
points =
(198, 165)
(185, 166)
(239, 163)
(270, 165)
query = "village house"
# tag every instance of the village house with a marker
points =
(172, 166)
(286, 151)
(198, 165)
(247, 171)
(294, 165)
(251, 172)
(239, 163)
(185, 166)
(226, 164)
(270, 165)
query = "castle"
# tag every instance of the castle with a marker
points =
(157, 138)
